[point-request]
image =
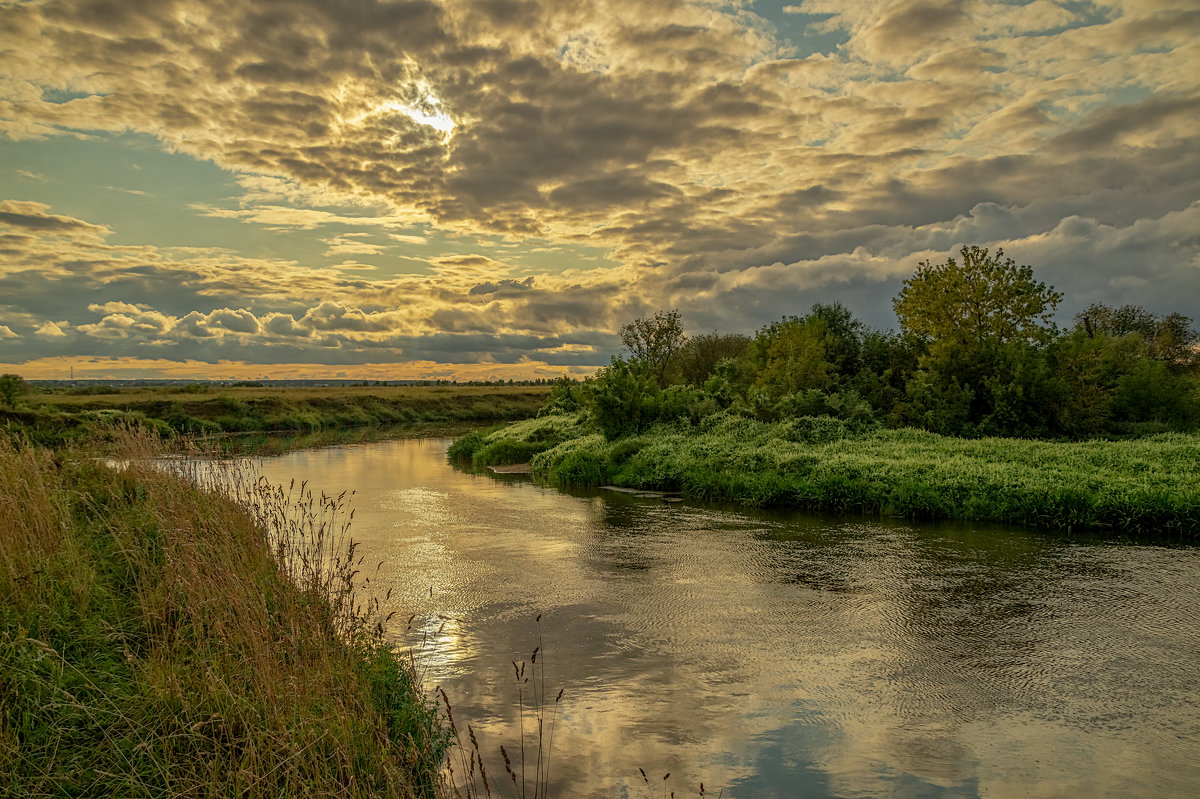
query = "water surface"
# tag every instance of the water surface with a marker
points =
(779, 654)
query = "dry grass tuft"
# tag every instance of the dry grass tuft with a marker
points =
(191, 631)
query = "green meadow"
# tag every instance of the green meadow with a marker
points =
(251, 414)
(1141, 487)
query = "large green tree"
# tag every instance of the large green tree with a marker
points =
(983, 320)
(982, 300)
(652, 341)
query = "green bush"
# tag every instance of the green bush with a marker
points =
(463, 449)
(1147, 487)
(506, 451)
(581, 467)
(625, 400)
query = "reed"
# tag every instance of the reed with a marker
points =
(536, 722)
(192, 630)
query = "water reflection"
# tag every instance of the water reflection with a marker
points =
(783, 655)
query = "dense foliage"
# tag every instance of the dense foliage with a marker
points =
(939, 420)
(976, 355)
(1147, 486)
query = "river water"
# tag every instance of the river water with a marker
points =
(777, 654)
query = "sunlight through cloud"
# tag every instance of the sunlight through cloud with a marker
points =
(427, 111)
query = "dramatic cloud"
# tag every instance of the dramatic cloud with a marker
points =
(516, 179)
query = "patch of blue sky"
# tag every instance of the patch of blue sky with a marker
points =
(60, 96)
(123, 181)
(1085, 15)
(147, 196)
(801, 30)
(1086, 12)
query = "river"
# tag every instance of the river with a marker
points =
(779, 654)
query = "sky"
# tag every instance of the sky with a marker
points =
(489, 189)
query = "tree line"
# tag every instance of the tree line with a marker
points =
(977, 354)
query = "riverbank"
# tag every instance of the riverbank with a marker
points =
(1147, 487)
(330, 414)
(162, 639)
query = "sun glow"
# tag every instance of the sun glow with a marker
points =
(427, 112)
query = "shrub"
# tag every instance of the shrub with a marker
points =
(11, 389)
(505, 451)
(463, 449)
(580, 467)
(814, 429)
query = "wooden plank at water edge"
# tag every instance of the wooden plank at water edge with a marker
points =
(514, 468)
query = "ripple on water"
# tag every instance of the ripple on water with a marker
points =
(765, 651)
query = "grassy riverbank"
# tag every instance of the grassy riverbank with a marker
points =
(161, 639)
(201, 410)
(1146, 487)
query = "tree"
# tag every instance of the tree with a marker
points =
(1175, 340)
(653, 340)
(984, 322)
(983, 301)
(699, 355)
(1116, 322)
(792, 355)
(843, 337)
(1171, 338)
(11, 388)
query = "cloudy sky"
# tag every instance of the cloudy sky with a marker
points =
(490, 188)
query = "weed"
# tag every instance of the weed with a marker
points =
(192, 630)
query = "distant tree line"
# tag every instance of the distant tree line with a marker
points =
(976, 355)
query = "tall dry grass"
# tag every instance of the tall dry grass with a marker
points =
(528, 765)
(191, 631)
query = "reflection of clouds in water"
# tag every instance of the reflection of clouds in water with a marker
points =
(775, 655)
(419, 507)
(438, 646)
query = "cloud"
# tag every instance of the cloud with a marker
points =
(33, 217)
(6, 332)
(282, 217)
(52, 330)
(115, 307)
(351, 244)
(905, 28)
(702, 159)
(100, 367)
(502, 285)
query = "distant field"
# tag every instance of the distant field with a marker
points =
(59, 417)
(201, 392)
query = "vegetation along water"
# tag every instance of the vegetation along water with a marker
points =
(979, 408)
(169, 634)
(194, 632)
(312, 416)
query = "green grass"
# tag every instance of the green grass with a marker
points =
(61, 418)
(164, 638)
(514, 443)
(1146, 487)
